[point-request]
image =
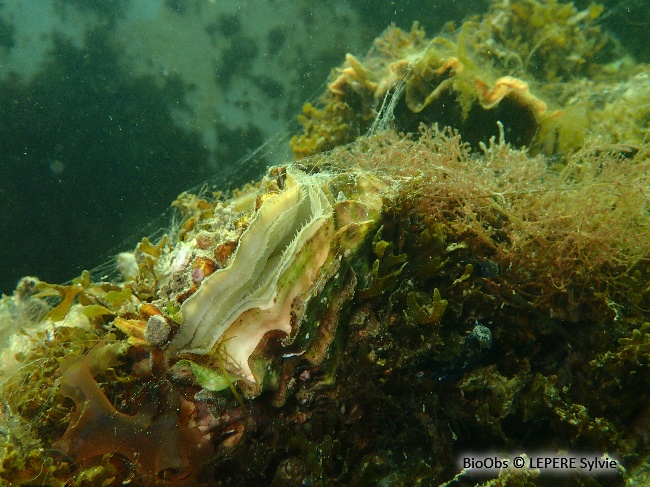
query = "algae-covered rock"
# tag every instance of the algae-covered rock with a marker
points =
(525, 64)
(417, 287)
(244, 292)
(427, 81)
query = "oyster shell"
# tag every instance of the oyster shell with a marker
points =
(293, 245)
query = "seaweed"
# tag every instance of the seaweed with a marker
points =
(544, 70)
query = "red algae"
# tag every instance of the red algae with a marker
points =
(157, 438)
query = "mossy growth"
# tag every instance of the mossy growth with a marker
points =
(424, 309)
(623, 111)
(325, 128)
(411, 80)
(546, 40)
(572, 247)
(527, 65)
(383, 276)
(461, 236)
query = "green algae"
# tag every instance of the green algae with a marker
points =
(425, 309)
(386, 268)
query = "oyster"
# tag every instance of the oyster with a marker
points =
(293, 244)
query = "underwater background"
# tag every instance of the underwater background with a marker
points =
(337, 243)
(111, 108)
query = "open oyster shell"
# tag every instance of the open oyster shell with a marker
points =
(294, 244)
